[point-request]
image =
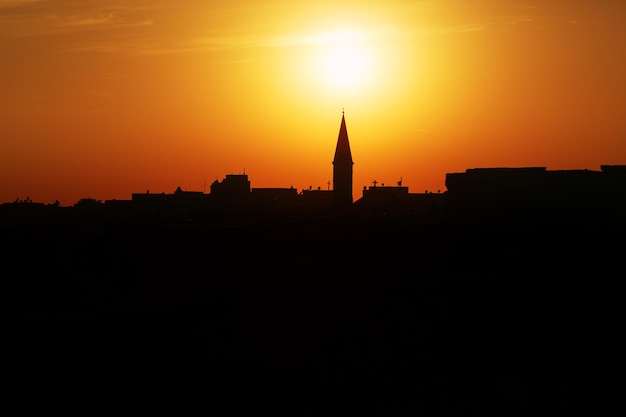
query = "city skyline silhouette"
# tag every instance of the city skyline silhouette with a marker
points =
(342, 188)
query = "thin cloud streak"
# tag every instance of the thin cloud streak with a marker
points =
(118, 29)
(17, 3)
(447, 30)
(223, 42)
(41, 18)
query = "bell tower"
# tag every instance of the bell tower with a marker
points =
(342, 168)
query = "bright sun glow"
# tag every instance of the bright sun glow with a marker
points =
(345, 65)
(344, 60)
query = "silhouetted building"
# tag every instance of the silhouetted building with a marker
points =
(342, 168)
(382, 202)
(536, 196)
(89, 204)
(315, 201)
(179, 198)
(234, 185)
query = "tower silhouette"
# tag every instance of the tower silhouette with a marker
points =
(342, 168)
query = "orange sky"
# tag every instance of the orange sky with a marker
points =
(102, 98)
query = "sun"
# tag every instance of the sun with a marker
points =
(344, 60)
(345, 65)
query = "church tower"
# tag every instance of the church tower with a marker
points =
(342, 168)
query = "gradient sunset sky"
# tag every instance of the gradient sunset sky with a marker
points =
(103, 98)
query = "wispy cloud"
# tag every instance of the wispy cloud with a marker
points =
(117, 29)
(14, 3)
(219, 41)
(24, 18)
(77, 26)
(125, 27)
(99, 19)
(331, 37)
(446, 30)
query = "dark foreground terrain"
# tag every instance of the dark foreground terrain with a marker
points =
(309, 318)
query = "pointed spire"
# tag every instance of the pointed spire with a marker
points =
(342, 152)
(342, 168)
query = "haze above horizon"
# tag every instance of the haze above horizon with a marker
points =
(101, 100)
